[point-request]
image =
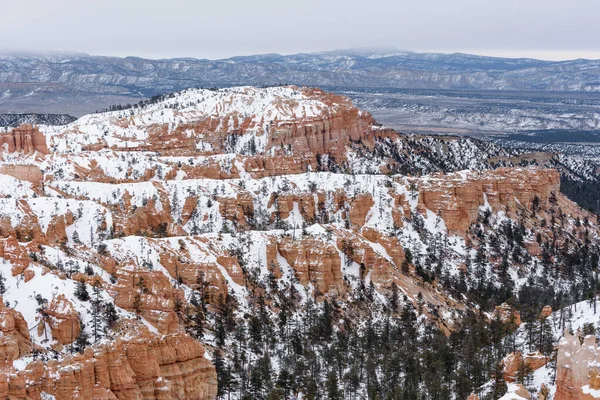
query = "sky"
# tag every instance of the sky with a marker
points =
(546, 29)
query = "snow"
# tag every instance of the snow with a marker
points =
(510, 394)
(594, 393)
(257, 108)
(21, 296)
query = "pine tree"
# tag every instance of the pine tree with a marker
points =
(2, 284)
(223, 373)
(81, 291)
(331, 385)
(196, 318)
(76, 238)
(499, 388)
(83, 340)
(326, 322)
(137, 303)
(110, 315)
(96, 311)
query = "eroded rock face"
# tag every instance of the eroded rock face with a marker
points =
(314, 261)
(25, 139)
(159, 234)
(514, 362)
(143, 367)
(457, 197)
(149, 293)
(63, 320)
(546, 312)
(15, 341)
(507, 315)
(577, 374)
(137, 365)
(30, 173)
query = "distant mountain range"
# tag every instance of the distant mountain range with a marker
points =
(80, 83)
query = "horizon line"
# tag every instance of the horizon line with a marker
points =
(537, 55)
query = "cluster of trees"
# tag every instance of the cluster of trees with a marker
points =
(382, 353)
(584, 192)
(103, 316)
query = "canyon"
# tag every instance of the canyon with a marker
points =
(176, 208)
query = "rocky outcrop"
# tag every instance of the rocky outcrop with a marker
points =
(314, 261)
(150, 294)
(507, 315)
(25, 139)
(63, 320)
(578, 369)
(329, 133)
(457, 197)
(546, 312)
(359, 208)
(12, 251)
(237, 209)
(284, 204)
(30, 173)
(151, 219)
(142, 366)
(305, 121)
(15, 341)
(516, 363)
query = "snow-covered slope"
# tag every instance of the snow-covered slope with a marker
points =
(189, 218)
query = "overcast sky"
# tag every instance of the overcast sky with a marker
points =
(550, 29)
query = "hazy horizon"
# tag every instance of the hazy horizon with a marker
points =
(538, 55)
(542, 29)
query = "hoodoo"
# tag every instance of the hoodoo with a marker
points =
(26, 139)
(227, 241)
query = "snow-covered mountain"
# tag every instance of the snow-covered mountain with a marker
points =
(274, 243)
(79, 82)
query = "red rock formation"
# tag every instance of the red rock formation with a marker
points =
(12, 251)
(457, 197)
(391, 244)
(181, 266)
(143, 366)
(359, 208)
(63, 320)
(189, 206)
(30, 173)
(151, 219)
(546, 312)
(150, 293)
(507, 315)
(284, 204)
(330, 131)
(237, 209)
(15, 341)
(514, 362)
(577, 372)
(314, 261)
(25, 139)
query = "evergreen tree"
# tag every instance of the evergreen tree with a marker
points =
(500, 388)
(83, 340)
(96, 312)
(196, 325)
(2, 284)
(81, 291)
(110, 315)
(331, 386)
